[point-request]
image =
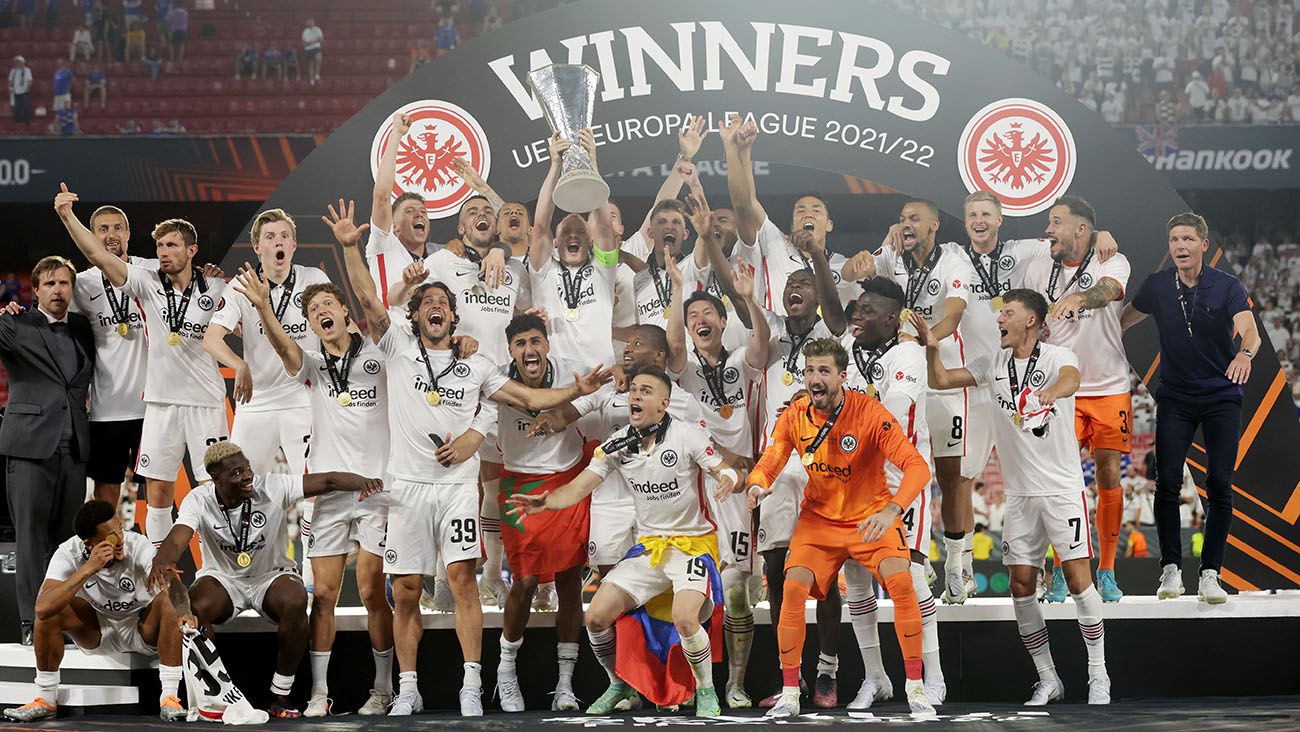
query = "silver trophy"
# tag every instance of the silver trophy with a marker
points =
(567, 93)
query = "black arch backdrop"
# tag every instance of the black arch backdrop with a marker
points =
(838, 85)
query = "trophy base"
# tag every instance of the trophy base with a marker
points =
(580, 191)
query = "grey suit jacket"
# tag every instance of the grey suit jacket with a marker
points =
(40, 394)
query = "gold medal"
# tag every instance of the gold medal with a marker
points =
(996, 303)
(905, 315)
(433, 398)
(244, 559)
(726, 411)
(345, 398)
(726, 303)
(871, 390)
(571, 315)
(667, 311)
(807, 458)
(787, 378)
(123, 329)
(598, 454)
(1019, 419)
(113, 539)
(173, 339)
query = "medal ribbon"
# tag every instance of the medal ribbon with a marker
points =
(548, 379)
(176, 313)
(796, 344)
(286, 294)
(864, 365)
(713, 376)
(632, 440)
(1029, 372)
(424, 355)
(990, 276)
(339, 374)
(573, 285)
(245, 521)
(1056, 274)
(825, 430)
(1186, 304)
(918, 275)
(121, 308)
(664, 288)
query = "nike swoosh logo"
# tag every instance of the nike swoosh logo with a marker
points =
(1078, 544)
(954, 444)
(911, 635)
(96, 297)
(787, 650)
(807, 439)
(1001, 378)
(90, 584)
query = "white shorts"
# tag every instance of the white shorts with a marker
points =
(121, 635)
(432, 523)
(779, 512)
(917, 521)
(169, 430)
(248, 594)
(676, 570)
(339, 521)
(263, 434)
(979, 432)
(735, 527)
(612, 528)
(945, 413)
(1031, 522)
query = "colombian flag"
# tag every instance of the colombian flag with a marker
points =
(552, 541)
(650, 656)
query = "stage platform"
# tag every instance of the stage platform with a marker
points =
(1155, 650)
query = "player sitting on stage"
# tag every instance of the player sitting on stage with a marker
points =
(843, 439)
(96, 590)
(245, 566)
(661, 459)
(1033, 385)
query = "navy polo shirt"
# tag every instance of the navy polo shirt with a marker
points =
(1194, 367)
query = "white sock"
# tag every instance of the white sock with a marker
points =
(47, 685)
(700, 655)
(473, 674)
(281, 684)
(952, 552)
(157, 524)
(509, 650)
(308, 510)
(604, 646)
(827, 665)
(1088, 607)
(862, 614)
(408, 683)
(567, 653)
(968, 554)
(1033, 633)
(170, 678)
(383, 671)
(320, 666)
(929, 625)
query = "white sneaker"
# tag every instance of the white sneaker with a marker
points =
(442, 601)
(954, 591)
(736, 697)
(930, 574)
(971, 585)
(471, 701)
(564, 700)
(512, 698)
(628, 704)
(546, 600)
(1209, 590)
(937, 691)
(1045, 691)
(376, 705)
(406, 704)
(493, 590)
(786, 706)
(917, 699)
(319, 706)
(1099, 690)
(871, 691)
(1171, 582)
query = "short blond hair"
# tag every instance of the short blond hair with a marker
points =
(52, 263)
(218, 451)
(272, 216)
(187, 230)
(983, 196)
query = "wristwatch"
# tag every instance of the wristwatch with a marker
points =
(1249, 353)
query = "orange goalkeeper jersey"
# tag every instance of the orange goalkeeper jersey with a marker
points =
(846, 479)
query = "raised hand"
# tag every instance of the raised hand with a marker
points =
(100, 556)
(401, 125)
(340, 221)
(557, 146)
(691, 136)
(674, 272)
(252, 285)
(591, 381)
(746, 135)
(742, 278)
(467, 173)
(587, 139)
(689, 173)
(415, 273)
(701, 216)
(923, 334)
(727, 130)
(526, 503)
(539, 312)
(63, 201)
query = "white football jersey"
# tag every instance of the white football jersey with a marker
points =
(783, 357)
(463, 386)
(739, 391)
(781, 259)
(666, 482)
(979, 325)
(220, 529)
(1095, 336)
(950, 277)
(117, 392)
(588, 339)
(183, 374)
(273, 389)
(698, 278)
(542, 454)
(386, 258)
(637, 245)
(482, 313)
(901, 382)
(1031, 465)
(352, 437)
(120, 590)
(653, 288)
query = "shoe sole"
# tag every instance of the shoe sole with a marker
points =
(1213, 601)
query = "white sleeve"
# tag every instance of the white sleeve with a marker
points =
(601, 467)
(138, 280)
(285, 490)
(593, 402)
(1117, 268)
(909, 380)
(188, 513)
(62, 565)
(231, 313)
(770, 241)
(311, 365)
(485, 419)
(960, 278)
(624, 297)
(702, 451)
(394, 341)
(636, 246)
(980, 369)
